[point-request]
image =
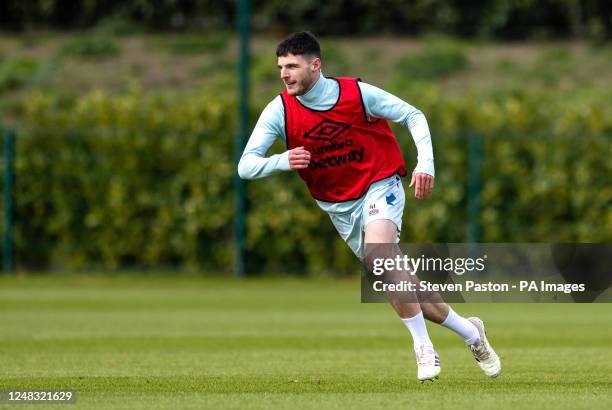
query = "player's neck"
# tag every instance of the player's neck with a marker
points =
(315, 90)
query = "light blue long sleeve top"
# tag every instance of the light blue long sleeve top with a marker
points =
(322, 96)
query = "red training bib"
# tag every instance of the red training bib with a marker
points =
(348, 151)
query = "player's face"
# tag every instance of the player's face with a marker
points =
(299, 73)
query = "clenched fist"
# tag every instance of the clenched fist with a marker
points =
(299, 158)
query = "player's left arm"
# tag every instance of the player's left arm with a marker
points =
(382, 104)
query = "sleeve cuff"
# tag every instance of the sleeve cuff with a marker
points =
(426, 167)
(283, 162)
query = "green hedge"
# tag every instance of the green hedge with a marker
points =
(145, 180)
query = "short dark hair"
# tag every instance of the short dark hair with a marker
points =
(302, 43)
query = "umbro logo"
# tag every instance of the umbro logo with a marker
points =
(327, 130)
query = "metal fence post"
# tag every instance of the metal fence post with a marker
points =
(9, 178)
(474, 186)
(243, 119)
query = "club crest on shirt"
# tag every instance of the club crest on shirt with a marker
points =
(373, 210)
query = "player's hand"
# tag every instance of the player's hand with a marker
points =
(423, 184)
(299, 158)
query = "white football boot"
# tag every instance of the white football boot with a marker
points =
(428, 363)
(483, 352)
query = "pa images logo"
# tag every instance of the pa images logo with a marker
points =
(327, 130)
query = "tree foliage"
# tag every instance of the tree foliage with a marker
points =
(488, 18)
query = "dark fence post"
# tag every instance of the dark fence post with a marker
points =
(243, 119)
(474, 186)
(9, 178)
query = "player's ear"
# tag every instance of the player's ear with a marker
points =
(316, 64)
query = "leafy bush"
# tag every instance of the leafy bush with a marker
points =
(145, 180)
(16, 72)
(263, 68)
(124, 181)
(195, 43)
(433, 62)
(91, 46)
(334, 59)
(115, 25)
(215, 66)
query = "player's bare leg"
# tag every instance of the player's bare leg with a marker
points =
(409, 310)
(431, 306)
(435, 312)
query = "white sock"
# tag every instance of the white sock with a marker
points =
(461, 326)
(418, 330)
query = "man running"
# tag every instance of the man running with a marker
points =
(339, 142)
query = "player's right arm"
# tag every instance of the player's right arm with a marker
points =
(271, 125)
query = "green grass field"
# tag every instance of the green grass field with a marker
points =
(151, 342)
